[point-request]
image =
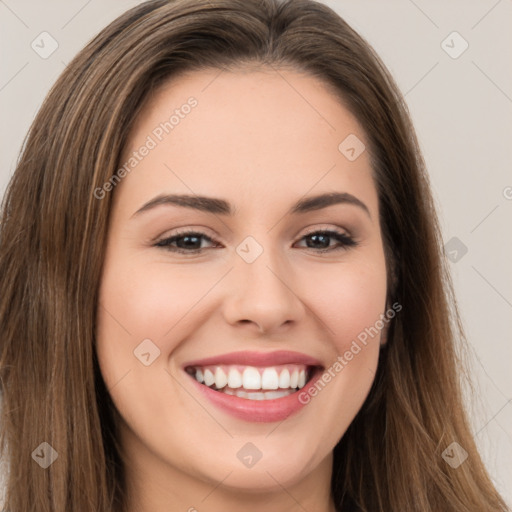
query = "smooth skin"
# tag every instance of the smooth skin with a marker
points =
(261, 139)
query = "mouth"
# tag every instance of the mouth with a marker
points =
(252, 382)
(255, 386)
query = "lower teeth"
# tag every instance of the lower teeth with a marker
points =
(266, 395)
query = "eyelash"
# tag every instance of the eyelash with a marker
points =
(345, 241)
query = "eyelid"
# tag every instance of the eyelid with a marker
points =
(207, 233)
(203, 230)
(344, 240)
(325, 227)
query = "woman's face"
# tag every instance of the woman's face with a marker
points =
(281, 290)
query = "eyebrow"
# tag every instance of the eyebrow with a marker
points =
(223, 207)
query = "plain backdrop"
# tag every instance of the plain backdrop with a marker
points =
(452, 62)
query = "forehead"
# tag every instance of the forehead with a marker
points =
(269, 133)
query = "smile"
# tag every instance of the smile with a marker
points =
(253, 386)
(251, 382)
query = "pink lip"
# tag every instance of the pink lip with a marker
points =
(253, 410)
(248, 358)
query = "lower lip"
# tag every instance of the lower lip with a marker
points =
(267, 411)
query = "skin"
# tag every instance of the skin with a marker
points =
(261, 140)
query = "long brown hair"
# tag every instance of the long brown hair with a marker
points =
(52, 242)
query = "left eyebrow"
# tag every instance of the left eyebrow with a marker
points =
(323, 200)
(222, 207)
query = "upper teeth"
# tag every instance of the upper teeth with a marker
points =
(250, 377)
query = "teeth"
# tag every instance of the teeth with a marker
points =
(209, 379)
(237, 379)
(269, 379)
(271, 395)
(251, 378)
(256, 396)
(220, 378)
(234, 378)
(267, 395)
(294, 379)
(302, 379)
(284, 379)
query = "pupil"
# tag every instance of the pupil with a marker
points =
(317, 237)
(186, 241)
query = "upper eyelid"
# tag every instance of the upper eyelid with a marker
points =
(206, 231)
(187, 231)
(339, 230)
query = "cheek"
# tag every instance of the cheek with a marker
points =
(349, 299)
(361, 305)
(142, 300)
(148, 300)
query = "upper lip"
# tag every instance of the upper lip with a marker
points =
(250, 358)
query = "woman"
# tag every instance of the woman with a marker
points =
(223, 285)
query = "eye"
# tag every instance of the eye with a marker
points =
(190, 242)
(320, 240)
(187, 242)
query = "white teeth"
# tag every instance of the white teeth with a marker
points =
(269, 379)
(302, 379)
(271, 395)
(267, 395)
(251, 378)
(209, 379)
(294, 379)
(284, 379)
(220, 378)
(256, 396)
(234, 378)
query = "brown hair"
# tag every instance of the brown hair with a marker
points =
(52, 242)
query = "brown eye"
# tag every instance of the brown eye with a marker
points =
(186, 242)
(320, 240)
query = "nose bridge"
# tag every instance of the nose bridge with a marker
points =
(261, 291)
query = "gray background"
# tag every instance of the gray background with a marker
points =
(462, 110)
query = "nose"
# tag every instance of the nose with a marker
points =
(261, 295)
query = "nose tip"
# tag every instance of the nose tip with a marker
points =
(261, 327)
